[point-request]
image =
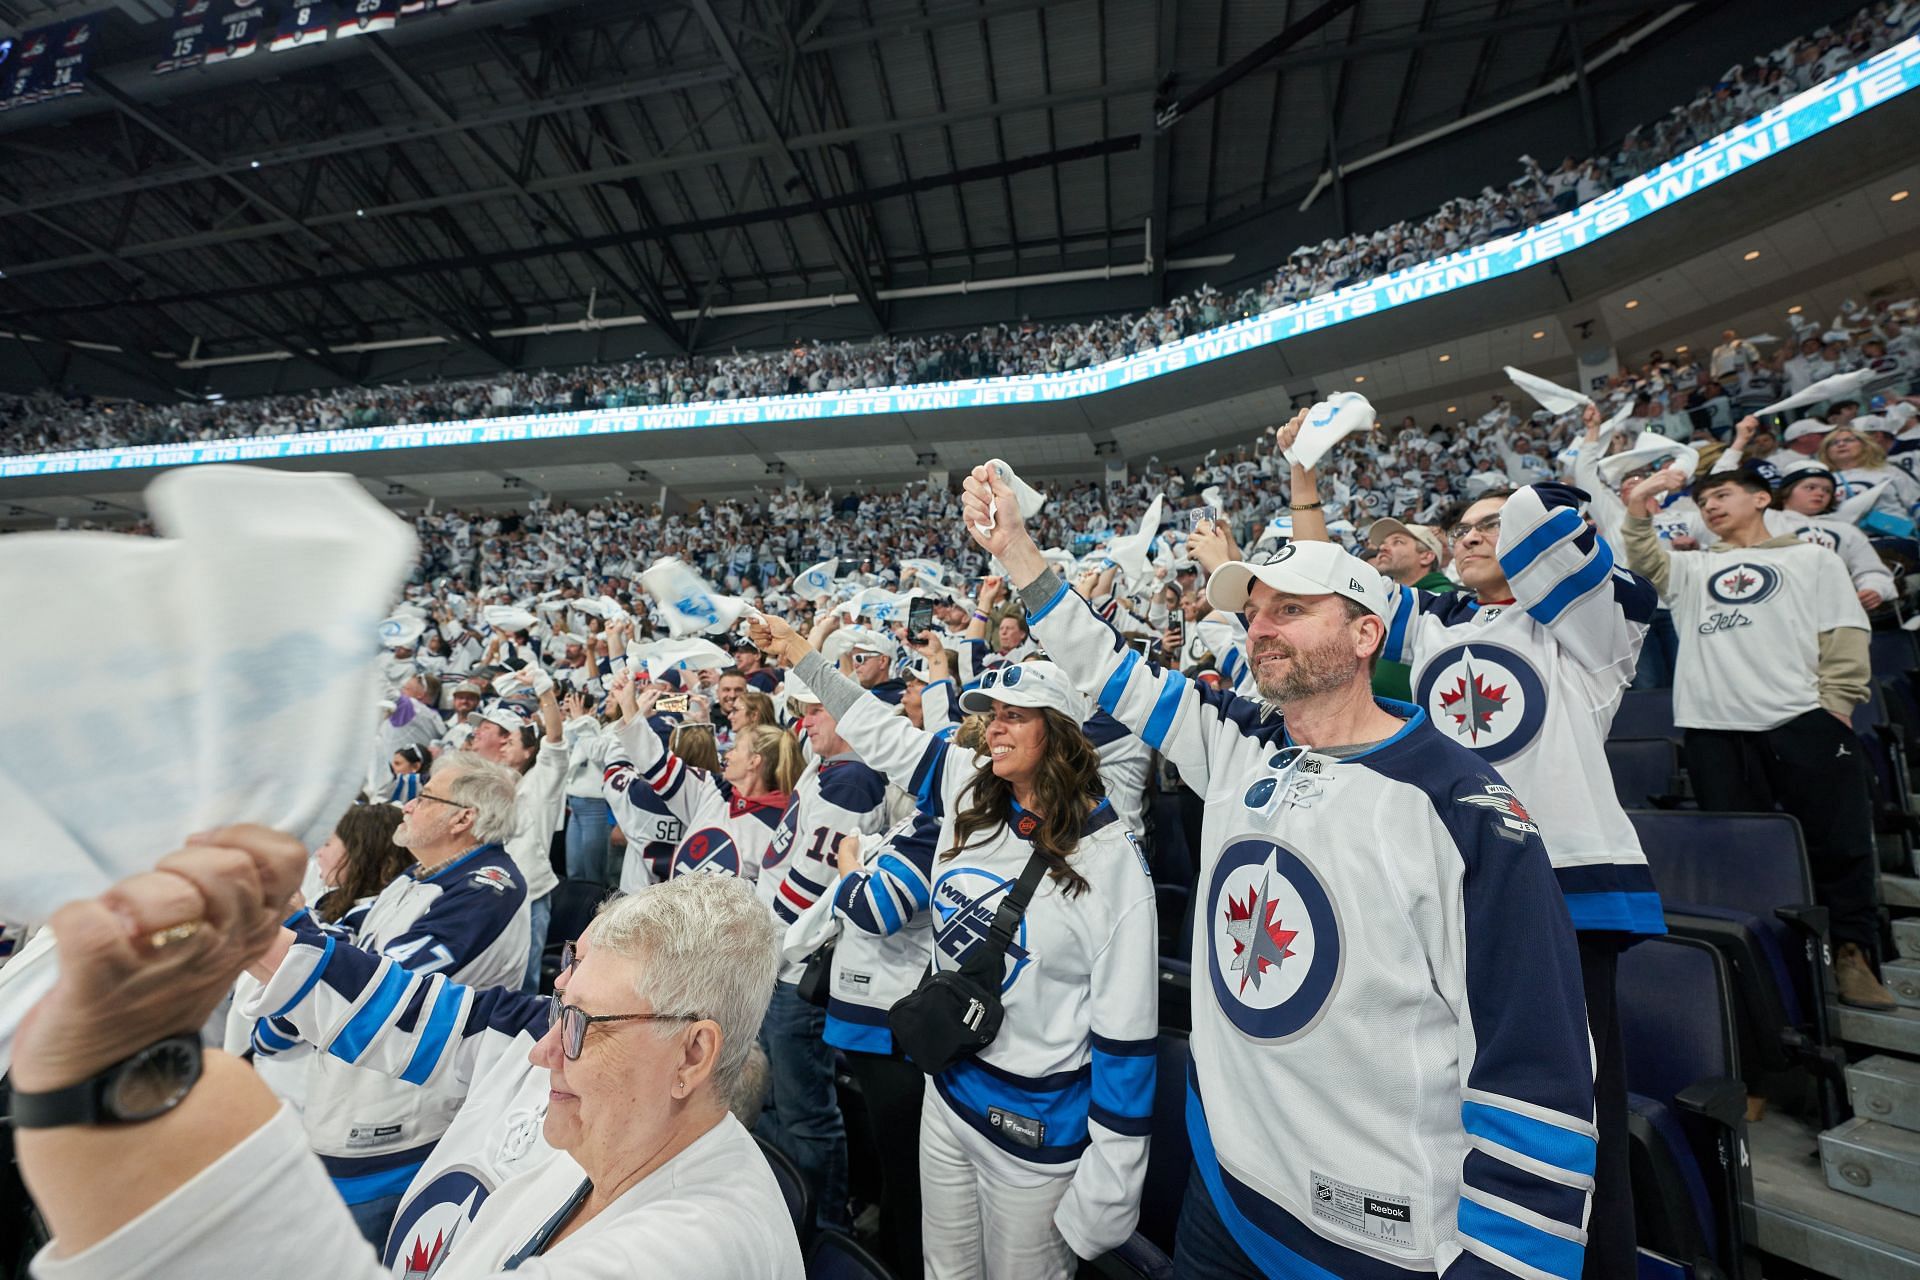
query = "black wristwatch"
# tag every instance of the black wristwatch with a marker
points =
(150, 1083)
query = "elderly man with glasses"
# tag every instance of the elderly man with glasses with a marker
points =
(1525, 668)
(595, 1138)
(460, 910)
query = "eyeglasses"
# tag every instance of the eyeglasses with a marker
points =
(455, 804)
(573, 1022)
(1489, 525)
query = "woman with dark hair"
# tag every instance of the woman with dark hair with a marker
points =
(1043, 1133)
(358, 860)
(409, 771)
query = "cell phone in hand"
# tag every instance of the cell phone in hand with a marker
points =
(1202, 515)
(919, 619)
(1177, 623)
(673, 703)
(1142, 645)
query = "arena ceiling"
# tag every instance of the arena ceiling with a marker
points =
(500, 164)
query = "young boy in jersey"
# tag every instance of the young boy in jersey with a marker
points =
(1773, 660)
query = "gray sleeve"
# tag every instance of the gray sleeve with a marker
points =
(1035, 595)
(836, 693)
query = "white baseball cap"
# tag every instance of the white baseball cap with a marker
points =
(1027, 684)
(794, 689)
(506, 718)
(1303, 569)
(1804, 428)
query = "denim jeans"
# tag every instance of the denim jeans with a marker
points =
(539, 916)
(1657, 655)
(589, 837)
(1203, 1248)
(375, 1219)
(802, 1118)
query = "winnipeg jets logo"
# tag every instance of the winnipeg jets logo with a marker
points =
(709, 849)
(1274, 944)
(1473, 702)
(1487, 697)
(965, 901)
(429, 1223)
(1515, 822)
(1259, 940)
(493, 878)
(1744, 583)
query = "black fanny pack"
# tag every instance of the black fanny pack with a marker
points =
(955, 1013)
(816, 977)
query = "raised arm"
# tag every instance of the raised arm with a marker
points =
(1309, 524)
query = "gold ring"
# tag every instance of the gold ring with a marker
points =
(173, 933)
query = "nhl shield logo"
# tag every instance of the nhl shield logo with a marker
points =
(1273, 940)
(1744, 583)
(1486, 697)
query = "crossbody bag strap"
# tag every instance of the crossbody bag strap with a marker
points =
(1013, 907)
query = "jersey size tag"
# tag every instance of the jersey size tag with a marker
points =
(372, 1135)
(1021, 1129)
(1381, 1218)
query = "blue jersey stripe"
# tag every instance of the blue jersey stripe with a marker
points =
(367, 1021)
(312, 979)
(1047, 608)
(1560, 524)
(1575, 586)
(907, 876)
(1539, 1249)
(433, 1039)
(1173, 687)
(1116, 685)
(1536, 1139)
(1405, 605)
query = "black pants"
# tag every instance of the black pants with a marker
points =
(1814, 768)
(1611, 1248)
(892, 1089)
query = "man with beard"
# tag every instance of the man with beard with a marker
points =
(1391, 1068)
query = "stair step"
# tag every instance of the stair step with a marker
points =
(1897, 1030)
(1874, 1161)
(1900, 891)
(1903, 979)
(1906, 937)
(1886, 1089)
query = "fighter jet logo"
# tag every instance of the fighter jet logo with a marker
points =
(1473, 702)
(1259, 941)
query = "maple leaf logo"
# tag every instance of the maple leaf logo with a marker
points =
(1259, 941)
(1739, 582)
(422, 1260)
(1473, 703)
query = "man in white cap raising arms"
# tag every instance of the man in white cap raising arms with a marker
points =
(1391, 1068)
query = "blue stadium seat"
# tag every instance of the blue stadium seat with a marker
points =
(1643, 770)
(839, 1257)
(1137, 1259)
(1176, 995)
(793, 1186)
(1892, 653)
(1170, 901)
(1740, 882)
(1172, 859)
(1169, 1155)
(1644, 713)
(1687, 1107)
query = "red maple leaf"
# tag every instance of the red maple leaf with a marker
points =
(420, 1261)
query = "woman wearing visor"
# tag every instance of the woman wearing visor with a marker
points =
(1033, 1150)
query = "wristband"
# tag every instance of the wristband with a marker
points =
(980, 617)
(1305, 506)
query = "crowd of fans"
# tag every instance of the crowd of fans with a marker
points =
(51, 420)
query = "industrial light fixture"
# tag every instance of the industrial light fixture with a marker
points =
(1680, 350)
(1444, 359)
(1795, 309)
(1359, 377)
(1898, 196)
(1453, 408)
(1539, 333)
(1751, 254)
(1632, 303)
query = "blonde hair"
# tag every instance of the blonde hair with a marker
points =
(781, 760)
(1872, 456)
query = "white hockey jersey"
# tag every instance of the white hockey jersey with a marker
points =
(834, 798)
(468, 920)
(1864, 566)
(725, 831)
(1391, 1071)
(1066, 1089)
(1532, 685)
(886, 941)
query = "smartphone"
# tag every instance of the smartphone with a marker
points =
(1142, 645)
(1177, 623)
(673, 703)
(919, 619)
(1198, 515)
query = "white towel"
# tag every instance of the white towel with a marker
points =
(1026, 497)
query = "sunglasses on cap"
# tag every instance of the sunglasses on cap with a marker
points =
(1008, 676)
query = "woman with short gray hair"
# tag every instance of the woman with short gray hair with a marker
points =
(650, 1031)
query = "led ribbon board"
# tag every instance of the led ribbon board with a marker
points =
(1880, 79)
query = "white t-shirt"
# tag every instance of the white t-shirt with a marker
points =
(713, 1211)
(1750, 620)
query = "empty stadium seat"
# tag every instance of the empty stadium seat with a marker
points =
(793, 1186)
(1170, 900)
(1740, 882)
(1892, 653)
(1687, 1107)
(840, 1257)
(1643, 770)
(1176, 995)
(1644, 713)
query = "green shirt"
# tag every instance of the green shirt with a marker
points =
(1395, 679)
